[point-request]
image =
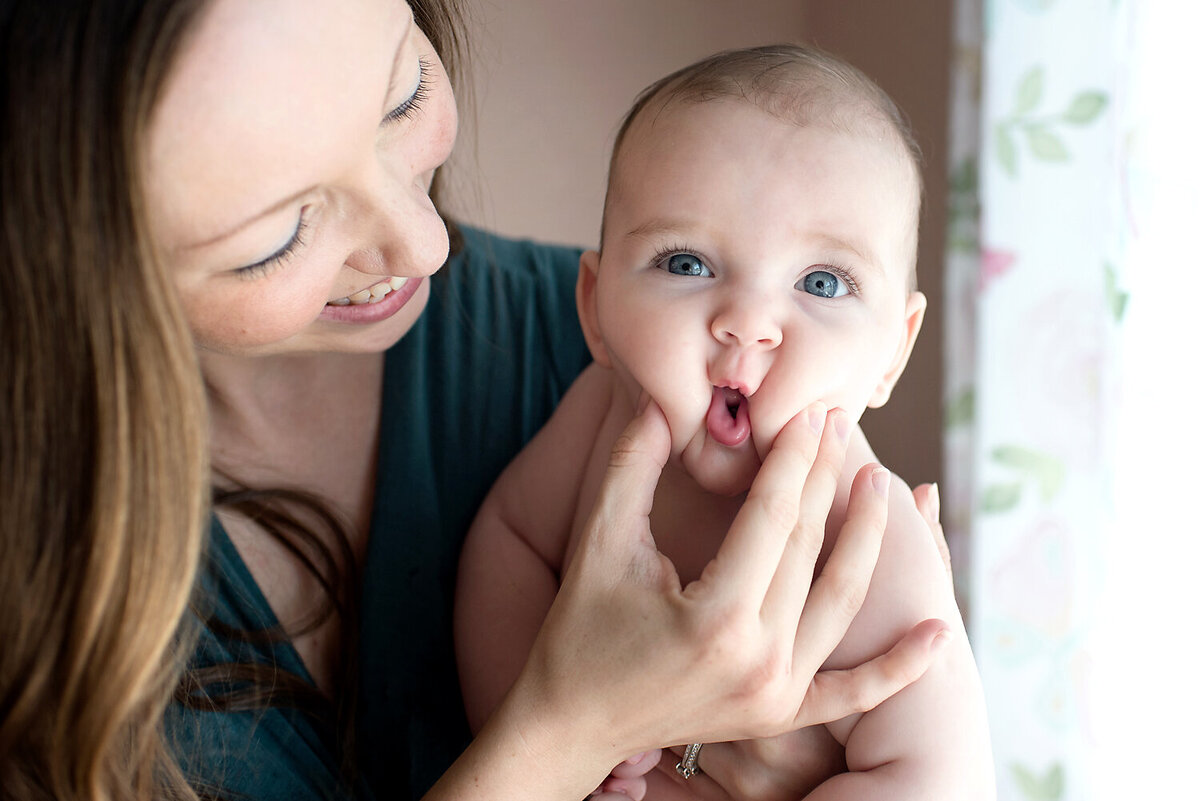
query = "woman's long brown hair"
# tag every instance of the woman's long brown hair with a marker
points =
(103, 471)
(104, 478)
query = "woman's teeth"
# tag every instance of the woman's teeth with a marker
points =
(372, 294)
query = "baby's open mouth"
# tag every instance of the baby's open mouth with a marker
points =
(728, 416)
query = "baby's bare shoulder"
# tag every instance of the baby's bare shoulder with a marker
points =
(538, 491)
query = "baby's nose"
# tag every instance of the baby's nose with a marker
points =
(747, 325)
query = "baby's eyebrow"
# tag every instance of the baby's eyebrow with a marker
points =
(860, 251)
(657, 227)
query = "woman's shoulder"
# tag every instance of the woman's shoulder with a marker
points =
(516, 258)
(500, 294)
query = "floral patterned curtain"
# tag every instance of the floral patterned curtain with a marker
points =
(1073, 297)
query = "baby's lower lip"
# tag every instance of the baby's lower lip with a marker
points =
(375, 309)
(728, 417)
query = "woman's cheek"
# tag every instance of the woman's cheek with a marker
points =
(250, 317)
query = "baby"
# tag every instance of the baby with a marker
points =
(757, 255)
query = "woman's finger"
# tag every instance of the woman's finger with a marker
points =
(779, 768)
(748, 559)
(622, 510)
(930, 506)
(790, 586)
(834, 694)
(638, 765)
(839, 591)
(616, 789)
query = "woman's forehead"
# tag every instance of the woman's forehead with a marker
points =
(259, 103)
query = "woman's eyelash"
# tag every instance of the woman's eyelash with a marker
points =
(406, 109)
(413, 104)
(261, 268)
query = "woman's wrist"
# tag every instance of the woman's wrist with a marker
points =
(529, 729)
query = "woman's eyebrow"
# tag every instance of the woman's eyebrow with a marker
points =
(247, 222)
(404, 36)
(408, 25)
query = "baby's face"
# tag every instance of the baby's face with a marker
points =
(751, 267)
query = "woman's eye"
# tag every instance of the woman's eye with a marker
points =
(823, 284)
(276, 259)
(685, 264)
(413, 104)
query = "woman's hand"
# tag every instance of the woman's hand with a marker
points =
(929, 504)
(791, 765)
(628, 659)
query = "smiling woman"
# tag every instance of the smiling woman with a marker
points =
(331, 150)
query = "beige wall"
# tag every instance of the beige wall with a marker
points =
(552, 79)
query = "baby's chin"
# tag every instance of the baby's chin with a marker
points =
(720, 470)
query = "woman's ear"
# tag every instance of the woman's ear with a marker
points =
(914, 315)
(585, 302)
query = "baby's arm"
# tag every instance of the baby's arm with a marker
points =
(513, 556)
(930, 741)
(509, 569)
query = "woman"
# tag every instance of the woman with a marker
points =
(196, 196)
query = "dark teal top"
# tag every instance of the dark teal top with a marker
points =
(472, 381)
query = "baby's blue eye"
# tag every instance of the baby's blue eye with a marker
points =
(823, 284)
(686, 264)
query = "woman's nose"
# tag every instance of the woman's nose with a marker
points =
(403, 234)
(747, 324)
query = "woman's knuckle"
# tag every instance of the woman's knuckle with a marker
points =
(857, 697)
(625, 451)
(779, 509)
(847, 593)
(810, 546)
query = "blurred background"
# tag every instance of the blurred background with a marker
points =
(1051, 392)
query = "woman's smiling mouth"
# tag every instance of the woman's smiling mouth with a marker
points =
(372, 294)
(375, 303)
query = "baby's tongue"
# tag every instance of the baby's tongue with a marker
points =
(728, 416)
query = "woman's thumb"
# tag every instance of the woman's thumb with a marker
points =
(634, 466)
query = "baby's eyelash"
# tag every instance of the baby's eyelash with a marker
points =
(843, 273)
(276, 259)
(674, 250)
(413, 104)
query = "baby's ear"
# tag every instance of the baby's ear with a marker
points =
(585, 302)
(914, 315)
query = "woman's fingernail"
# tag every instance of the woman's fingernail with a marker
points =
(841, 424)
(941, 640)
(881, 477)
(935, 502)
(816, 417)
(636, 758)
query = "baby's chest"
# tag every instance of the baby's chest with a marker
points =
(689, 540)
(687, 528)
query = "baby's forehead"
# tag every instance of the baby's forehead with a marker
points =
(659, 122)
(816, 107)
